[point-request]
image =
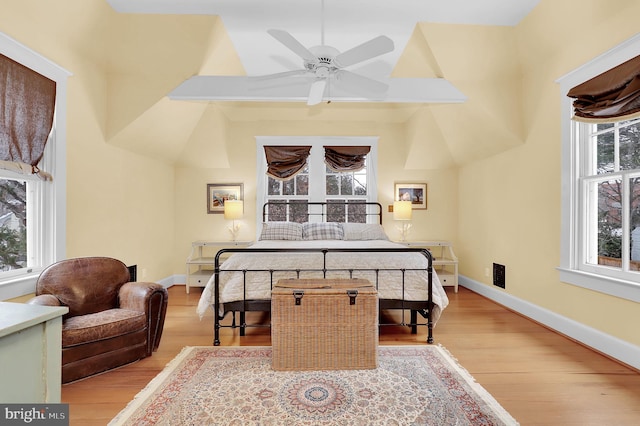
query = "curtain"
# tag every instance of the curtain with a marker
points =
(345, 158)
(284, 162)
(27, 104)
(611, 96)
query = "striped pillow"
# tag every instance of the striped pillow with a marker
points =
(322, 231)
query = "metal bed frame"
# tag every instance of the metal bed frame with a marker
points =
(424, 308)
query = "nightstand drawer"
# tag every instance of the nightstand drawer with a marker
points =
(199, 279)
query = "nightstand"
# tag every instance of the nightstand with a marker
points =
(201, 262)
(445, 262)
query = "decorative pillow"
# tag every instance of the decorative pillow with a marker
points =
(281, 231)
(364, 231)
(322, 231)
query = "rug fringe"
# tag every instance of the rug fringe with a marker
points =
(139, 398)
(478, 388)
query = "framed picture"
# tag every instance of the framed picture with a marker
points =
(218, 193)
(414, 192)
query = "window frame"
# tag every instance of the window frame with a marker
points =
(48, 223)
(572, 227)
(316, 165)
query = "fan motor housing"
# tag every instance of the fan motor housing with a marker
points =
(323, 64)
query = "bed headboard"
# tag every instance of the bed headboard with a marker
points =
(322, 211)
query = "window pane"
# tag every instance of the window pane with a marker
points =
(288, 187)
(610, 223)
(298, 211)
(13, 223)
(273, 187)
(360, 185)
(333, 185)
(302, 184)
(605, 152)
(634, 191)
(346, 184)
(335, 211)
(276, 213)
(630, 147)
(357, 211)
(604, 126)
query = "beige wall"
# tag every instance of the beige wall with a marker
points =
(119, 204)
(509, 205)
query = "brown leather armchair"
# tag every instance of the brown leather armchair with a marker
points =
(111, 321)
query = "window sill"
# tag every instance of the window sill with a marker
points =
(18, 285)
(614, 287)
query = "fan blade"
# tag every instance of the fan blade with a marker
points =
(360, 84)
(294, 45)
(367, 50)
(317, 91)
(278, 75)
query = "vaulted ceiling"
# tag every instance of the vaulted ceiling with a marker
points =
(155, 45)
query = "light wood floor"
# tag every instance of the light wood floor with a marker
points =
(540, 377)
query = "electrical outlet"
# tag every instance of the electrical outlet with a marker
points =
(390, 208)
(486, 272)
(499, 275)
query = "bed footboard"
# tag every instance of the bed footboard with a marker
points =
(422, 307)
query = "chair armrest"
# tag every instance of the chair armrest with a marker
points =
(152, 299)
(135, 295)
(45, 300)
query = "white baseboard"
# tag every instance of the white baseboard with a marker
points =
(172, 280)
(614, 347)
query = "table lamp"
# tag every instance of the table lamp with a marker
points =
(402, 212)
(233, 210)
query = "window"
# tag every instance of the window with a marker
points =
(13, 220)
(600, 241)
(610, 194)
(317, 182)
(32, 211)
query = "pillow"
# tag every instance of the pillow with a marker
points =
(281, 231)
(322, 231)
(364, 231)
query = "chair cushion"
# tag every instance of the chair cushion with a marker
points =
(101, 325)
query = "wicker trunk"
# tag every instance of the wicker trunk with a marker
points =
(324, 324)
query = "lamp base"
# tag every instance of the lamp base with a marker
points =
(233, 230)
(404, 230)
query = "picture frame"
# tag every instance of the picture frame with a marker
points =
(414, 192)
(218, 193)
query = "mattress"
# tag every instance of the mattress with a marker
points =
(259, 270)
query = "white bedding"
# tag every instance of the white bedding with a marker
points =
(390, 282)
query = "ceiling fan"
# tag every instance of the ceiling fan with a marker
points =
(323, 63)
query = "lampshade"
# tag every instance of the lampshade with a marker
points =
(233, 209)
(402, 210)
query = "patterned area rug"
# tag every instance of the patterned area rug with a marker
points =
(413, 385)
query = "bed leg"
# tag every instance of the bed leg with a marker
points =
(242, 323)
(414, 322)
(216, 331)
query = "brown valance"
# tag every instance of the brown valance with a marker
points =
(284, 162)
(27, 104)
(346, 158)
(611, 96)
